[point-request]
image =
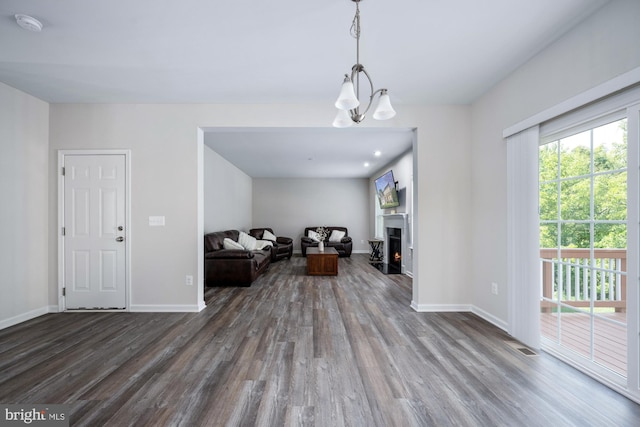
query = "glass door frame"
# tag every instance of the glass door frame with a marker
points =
(630, 386)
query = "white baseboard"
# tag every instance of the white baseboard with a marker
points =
(434, 308)
(12, 321)
(28, 316)
(490, 318)
(148, 308)
(465, 308)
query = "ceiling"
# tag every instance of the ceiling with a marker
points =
(275, 52)
(310, 152)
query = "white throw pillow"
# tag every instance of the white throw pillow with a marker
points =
(336, 236)
(247, 242)
(267, 235)
(261, 244)
(313, 236)
(227, 243)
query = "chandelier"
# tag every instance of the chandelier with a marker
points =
(348, 102)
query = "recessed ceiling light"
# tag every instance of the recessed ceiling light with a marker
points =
(366, 164)
(29, 23)
(377, 153)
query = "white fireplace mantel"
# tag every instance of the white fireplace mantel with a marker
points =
(397, 220)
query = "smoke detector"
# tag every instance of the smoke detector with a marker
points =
(29, 23)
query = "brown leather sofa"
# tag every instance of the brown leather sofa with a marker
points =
(232, 267)
(344, 246)
(282, 247)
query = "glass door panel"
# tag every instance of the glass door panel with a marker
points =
(583, 238)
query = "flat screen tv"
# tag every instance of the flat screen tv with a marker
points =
(386, 191)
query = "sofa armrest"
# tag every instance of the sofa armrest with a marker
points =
(229, 254)
(345, 239)
(284, 240)
(306, 239)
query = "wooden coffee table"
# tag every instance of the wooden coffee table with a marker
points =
(322, 263)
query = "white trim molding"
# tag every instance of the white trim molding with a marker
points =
(29, 315)
(459, 308)
(434, 308)
(166, 308)
(616, 84)
(490, 318)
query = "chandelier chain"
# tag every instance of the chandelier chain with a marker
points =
(355, 25)
(355, 33)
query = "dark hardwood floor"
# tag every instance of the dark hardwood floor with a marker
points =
(297, 350)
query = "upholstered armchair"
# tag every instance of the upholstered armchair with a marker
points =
(344, 245)
(234, 266)
(282, 246)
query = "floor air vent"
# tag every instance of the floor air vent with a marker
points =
(521, 348)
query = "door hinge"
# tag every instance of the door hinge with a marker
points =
(63, 231)
(64, 292)
(63, 171)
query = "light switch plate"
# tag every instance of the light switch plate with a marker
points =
(156, 221)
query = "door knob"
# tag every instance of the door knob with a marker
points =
(119, 239)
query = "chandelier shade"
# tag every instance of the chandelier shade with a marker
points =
(343, 119)
(348, 102)
(384, 110)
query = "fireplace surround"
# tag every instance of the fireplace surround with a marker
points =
(395, 241)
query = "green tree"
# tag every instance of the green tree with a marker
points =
(566, 183)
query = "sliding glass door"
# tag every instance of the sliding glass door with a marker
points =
(583, 243)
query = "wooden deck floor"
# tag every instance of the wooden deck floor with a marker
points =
(574, 332)
(296, 350)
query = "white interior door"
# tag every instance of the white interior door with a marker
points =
(94, 231)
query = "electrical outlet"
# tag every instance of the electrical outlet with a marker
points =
(494, 288)
(189, 280)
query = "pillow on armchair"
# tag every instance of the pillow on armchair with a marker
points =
(267, 235)
(336, 236)
(227, 243)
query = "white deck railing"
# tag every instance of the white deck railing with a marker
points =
(570, 274)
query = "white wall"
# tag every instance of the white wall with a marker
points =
(227, 195)
(163, 141)
(24, 134)
(442, 205)
(602, 47)
(290, 205)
